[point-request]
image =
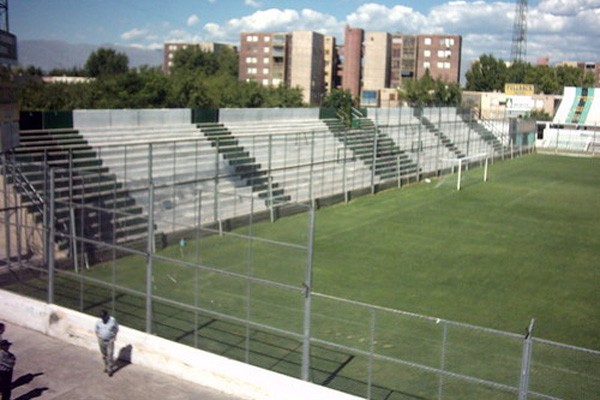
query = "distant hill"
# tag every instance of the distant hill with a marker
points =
(50, 54)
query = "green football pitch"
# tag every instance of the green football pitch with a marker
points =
(523, 245)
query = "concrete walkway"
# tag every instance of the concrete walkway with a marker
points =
(48, 368)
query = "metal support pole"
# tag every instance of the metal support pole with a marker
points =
(443, 362)
(371, 353)
(149, 245)
(270, 187)
(50, 244)
(459, 173)
(344, 172)
(6, 207)
(308, 299)
(526, 361)
(374, 164)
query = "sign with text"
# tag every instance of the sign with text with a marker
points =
(518, 89)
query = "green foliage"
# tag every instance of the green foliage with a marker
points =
(486, 74)
(489, 74)
(198, 80)
(430, 92)
(540, 115)
(106, 62)
(342, 101)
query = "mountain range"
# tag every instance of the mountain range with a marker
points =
(51, 54)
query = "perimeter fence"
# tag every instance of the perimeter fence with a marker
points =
(243, 289)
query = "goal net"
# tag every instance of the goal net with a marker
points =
(460, 165)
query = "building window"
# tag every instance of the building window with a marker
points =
(266, 60)
(265, 82)
(251, 60)
(266, 49)
(446, 65)
(426, 65)
(265, 71)
(251, 38)
(444, 53)
(440, 65)
(427, 53)
(427, 41)
(448, 42)
(267, 39)
(252, 71)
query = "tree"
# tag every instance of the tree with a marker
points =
(487, 74)
(106, 62)
(343, 102)
(192, 60)
(427, 91)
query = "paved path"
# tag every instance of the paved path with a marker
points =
(48, 368)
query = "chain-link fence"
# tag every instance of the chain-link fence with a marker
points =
(166, 235)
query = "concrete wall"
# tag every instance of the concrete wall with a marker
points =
(266, 114)
(143, 117)
(207, 369)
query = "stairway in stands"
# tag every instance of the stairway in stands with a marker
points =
(243, 164)
(486, 134)
(366, 143)
(80, 177)
(445, 140)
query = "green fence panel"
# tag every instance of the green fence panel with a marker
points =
(200, 115)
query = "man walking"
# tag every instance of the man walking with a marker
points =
(7, 364)
(106, 331)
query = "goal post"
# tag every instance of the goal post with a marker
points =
(459, 162)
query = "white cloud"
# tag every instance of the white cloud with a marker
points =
(193, 20)
(556, 28)
(252, 3)
(135, 33)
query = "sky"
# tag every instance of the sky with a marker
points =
(563, 30)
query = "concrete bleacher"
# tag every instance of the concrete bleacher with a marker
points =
(246, 162)
(176, 154)
(304, 157)
(80, 176)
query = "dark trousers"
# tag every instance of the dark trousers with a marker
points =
(6, 384)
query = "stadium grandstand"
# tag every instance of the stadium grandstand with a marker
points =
(575, 126)
(222, 159)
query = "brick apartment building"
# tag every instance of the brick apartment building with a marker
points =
(296, 59)
(372, 61)
(375, 61)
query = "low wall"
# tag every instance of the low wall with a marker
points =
(121, 118)
(266, 114)
(207, 369)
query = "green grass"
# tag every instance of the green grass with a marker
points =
(524, 245)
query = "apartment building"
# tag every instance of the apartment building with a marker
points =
(377, 47)
(332, 62)
(169, 50)
(351, 60)
(404, 59)
(441, 55)
(295, 59)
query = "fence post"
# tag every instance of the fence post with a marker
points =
(308, 299)
(6, 207)
(526, 361)
(374, 165)
(149, 244)
(442, 361)
(51, 241)
(371, 353)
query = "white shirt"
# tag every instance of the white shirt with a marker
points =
(107, 331)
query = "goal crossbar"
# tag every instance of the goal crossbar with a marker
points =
(459, 162)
